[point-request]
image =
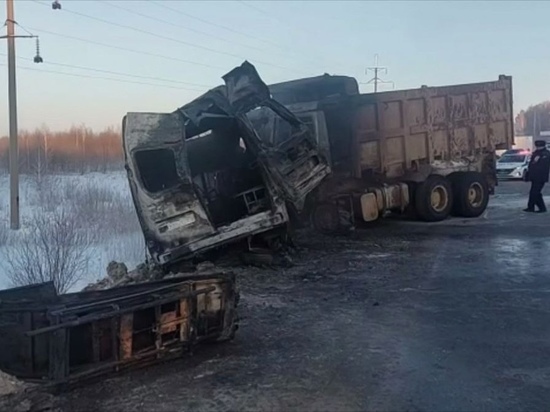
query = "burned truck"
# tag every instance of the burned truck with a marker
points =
(201, 177)
(429, 151)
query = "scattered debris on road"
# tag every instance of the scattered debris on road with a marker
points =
(9, 384)
(118, 275)
(18, 396)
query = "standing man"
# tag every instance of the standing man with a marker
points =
(537, 174)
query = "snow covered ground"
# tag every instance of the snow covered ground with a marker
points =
(100, 207)
(100, 204)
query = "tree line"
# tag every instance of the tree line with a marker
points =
(80, 149)
(76, 150)
(534, 120)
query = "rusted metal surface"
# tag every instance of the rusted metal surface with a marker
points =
(413, 133)
(383, 198)
(409, 134)
(378, 142)
(192, 172)
(91, 333)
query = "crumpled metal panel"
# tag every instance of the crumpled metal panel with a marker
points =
(289, 171)
(162, 214)
(245, 90)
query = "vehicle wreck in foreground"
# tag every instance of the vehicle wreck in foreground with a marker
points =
(202, 177)
(58, 339)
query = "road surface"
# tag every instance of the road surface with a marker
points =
(403, 316)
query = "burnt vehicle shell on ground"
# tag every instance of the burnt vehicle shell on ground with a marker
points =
(201, 177)
(64, 339)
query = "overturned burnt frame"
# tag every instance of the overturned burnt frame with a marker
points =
(68, 338)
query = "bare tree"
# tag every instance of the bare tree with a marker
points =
(537, 119)
(39, 167)
(78, 149)
(3, 234)
(56, 249)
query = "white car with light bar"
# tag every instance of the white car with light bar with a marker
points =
(513, 165)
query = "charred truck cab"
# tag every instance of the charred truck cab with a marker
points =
(202, 177)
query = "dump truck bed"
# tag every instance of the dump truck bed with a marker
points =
(396, 132)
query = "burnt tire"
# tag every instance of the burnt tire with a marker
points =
(325, 218)
(433, 199)
(471, 194)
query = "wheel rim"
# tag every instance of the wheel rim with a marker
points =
(475, 195)
(439, 198)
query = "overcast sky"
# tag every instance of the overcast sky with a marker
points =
(187, 46)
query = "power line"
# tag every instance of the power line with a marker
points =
(72, 66)
(271, 16)
(141, 52)
(202, 86)
(249, 5)
(100, 78)
(138, 30)
(278, 19)
(179, 26)
(221, 26)
(232, 30)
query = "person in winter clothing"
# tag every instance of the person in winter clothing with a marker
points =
(537, 173)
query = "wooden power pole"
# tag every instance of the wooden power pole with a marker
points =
(12, 100)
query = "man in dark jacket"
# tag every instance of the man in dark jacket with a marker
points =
(537, 174)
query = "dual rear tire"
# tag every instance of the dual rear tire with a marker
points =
(463, 194)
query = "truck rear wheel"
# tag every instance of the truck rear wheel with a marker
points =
(471, 194)
(434, 199)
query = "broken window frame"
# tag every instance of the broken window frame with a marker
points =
(181, 170)
(176, 182)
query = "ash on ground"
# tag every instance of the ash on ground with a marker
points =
(119, 275)
(17, 396)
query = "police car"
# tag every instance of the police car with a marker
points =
(513, 164)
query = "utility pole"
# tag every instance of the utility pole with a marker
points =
(12, 101)
(376, 79)
(12, 97)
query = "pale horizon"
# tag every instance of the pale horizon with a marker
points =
(156, 56)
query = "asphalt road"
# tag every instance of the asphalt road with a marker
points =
(402, 316)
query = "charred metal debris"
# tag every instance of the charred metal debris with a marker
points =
(63, 339)
(203, 176)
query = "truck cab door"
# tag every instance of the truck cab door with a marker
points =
(294, 163)
(168, 208)
(294, 157)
